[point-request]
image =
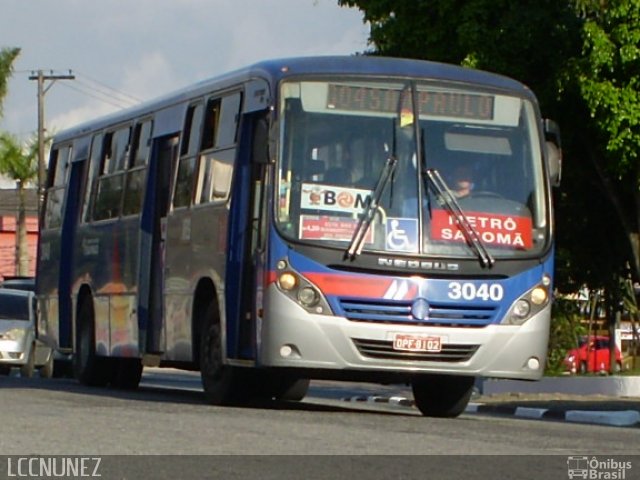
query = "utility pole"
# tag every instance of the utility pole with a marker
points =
(41, 77)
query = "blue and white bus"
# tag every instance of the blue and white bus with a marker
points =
(302, 219)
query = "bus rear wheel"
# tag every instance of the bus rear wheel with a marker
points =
(89, 368)
(222, 383)
(127, 374)
(442, 395)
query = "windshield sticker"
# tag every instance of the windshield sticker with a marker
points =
(314, 227)
(332, 198)
(510, 231)
(402, 234)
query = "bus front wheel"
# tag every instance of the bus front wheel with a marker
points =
(221, 383)
(88, 368)
(442, 395)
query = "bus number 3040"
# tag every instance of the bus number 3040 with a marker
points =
(471, 291)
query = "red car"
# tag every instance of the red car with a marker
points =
(591, 356)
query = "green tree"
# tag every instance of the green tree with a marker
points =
(582, 58)
(19, 163)
(608, 76)
(7, 56)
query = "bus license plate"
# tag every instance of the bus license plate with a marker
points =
(416, 343)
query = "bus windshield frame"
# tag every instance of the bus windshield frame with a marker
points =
(337, 135)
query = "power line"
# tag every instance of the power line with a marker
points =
(104, 85)
(108, 94)
(99, 96)
(96, 89)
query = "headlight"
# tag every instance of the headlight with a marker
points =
(528, 304)
(15, 334)
(522, 308)
(539, 296)
(308, 297)
(301, 290)
(287, 281)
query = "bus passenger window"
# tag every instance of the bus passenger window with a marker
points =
(229, 120)
(191, 132)
(141, 144)
(94, 165)
(59, 163)
(134, 187)
(110, 183)
(120, 149)
(211, 122)
(218, 170)
(133, 192)
(184, 182)
(108, 197)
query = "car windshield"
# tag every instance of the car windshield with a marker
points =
(14, 307)
(339, 138)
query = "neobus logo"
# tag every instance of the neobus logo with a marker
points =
(417, 264)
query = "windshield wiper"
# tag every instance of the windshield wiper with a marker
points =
(359, 234)
(471, 235)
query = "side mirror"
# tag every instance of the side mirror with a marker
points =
(553, 153)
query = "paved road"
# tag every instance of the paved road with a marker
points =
(167, 416)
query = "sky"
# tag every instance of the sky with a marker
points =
(122, 52)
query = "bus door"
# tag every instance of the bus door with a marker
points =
(164, 153)
(247, 230)
(67, 240)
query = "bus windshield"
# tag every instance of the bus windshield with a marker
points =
(338, 139)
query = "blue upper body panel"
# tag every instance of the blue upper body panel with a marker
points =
(274, 71)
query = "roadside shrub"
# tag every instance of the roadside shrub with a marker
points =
(564, 333)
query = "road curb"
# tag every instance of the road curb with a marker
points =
(619, 418)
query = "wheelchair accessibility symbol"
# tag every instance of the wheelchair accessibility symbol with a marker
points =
(402, 234)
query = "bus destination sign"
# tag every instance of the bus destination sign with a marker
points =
(433, 103)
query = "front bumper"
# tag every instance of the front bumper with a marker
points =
(293, 338)
(13, 352)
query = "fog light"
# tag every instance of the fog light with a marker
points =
(287, 281)
(308, 297)
(522, 308)
(533, 363)
(538, 296)
(285, 351)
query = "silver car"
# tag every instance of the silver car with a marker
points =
(18, 344)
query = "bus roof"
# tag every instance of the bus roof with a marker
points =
(278, 69)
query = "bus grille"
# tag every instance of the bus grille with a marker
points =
(384, 349)
(440, 315)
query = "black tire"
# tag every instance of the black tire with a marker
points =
(291, 389)
(46, 370)
(442, 395)
(222, 383)
(88, 368)
(5, 370)
(128, 373)
(28, 368)
(63, 368)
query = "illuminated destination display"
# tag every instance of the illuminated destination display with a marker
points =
(433, 103)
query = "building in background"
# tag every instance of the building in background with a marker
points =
(9, 205)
